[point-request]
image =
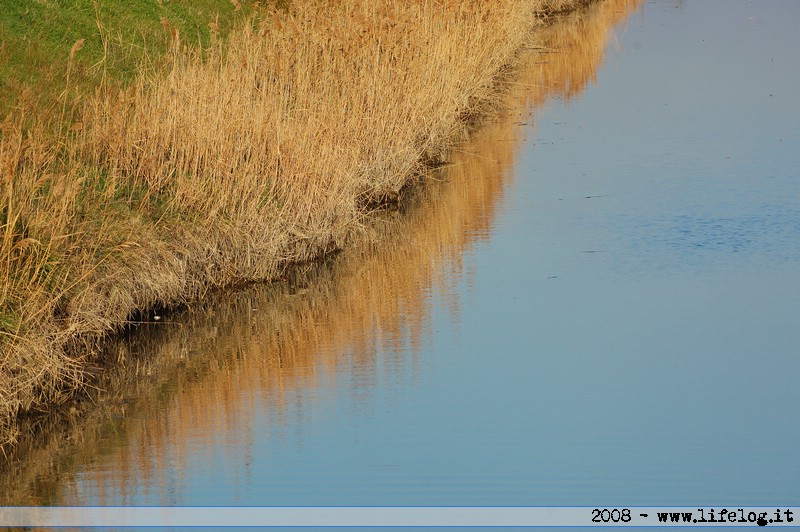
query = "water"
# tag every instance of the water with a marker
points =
(599, 310)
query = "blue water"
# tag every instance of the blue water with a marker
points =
(625, 332)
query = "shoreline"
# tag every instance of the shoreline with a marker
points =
(159, 253)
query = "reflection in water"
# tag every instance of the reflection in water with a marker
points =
(192, 389)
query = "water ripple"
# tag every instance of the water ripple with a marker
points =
(769, 235)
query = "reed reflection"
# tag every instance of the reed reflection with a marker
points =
(183, 388)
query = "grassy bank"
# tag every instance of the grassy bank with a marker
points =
(214, 360)
(219, 162)
(116, 38)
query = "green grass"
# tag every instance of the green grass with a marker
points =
(36, 37)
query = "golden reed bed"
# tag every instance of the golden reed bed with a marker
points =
(234, 163)
(223, 357)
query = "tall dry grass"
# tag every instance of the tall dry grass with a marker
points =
(228, 165)
(261, 152)
(267, 342)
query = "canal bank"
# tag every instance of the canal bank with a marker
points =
(348, 321)
(265, 151)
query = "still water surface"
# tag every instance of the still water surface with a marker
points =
(600, 309)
